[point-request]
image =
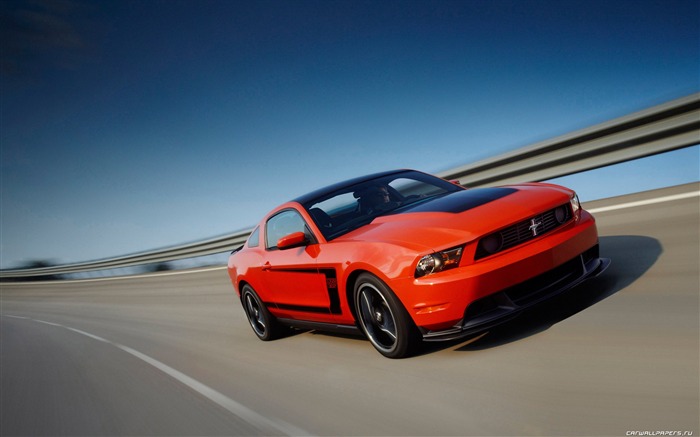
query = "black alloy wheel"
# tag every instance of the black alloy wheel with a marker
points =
(383, 319)
(263, 323)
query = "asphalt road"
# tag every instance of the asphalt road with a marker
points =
(173, 355)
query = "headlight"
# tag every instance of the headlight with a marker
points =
(576, 207)
(439, 261)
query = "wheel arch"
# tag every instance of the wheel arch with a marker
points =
(352, 280)
(350, 290)
(239, 288)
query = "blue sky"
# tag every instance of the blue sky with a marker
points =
(133, 125)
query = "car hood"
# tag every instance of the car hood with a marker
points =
(460, 217)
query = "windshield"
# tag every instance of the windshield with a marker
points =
(356, 205)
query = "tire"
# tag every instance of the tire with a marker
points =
(263, 323)
(383, 319)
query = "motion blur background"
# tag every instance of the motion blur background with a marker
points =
(132, 125)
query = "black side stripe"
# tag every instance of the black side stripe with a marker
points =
(332, 286)
(305, 309)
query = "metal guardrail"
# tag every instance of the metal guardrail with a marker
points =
(209, 247)
(659, 129)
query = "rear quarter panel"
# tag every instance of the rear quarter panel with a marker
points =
(244, 266)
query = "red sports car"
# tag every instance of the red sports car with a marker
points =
(405, 256)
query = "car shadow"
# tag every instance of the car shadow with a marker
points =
(632, 256)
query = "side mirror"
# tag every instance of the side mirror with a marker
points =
(292, 240)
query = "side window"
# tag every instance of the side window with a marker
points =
(254, 239)
(283, 224)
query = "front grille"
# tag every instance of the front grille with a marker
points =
(523, 231)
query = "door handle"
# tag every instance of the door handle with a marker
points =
(267, 266)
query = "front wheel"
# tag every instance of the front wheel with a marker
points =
(383, 319)
(263, 323)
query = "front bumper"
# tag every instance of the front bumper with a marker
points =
(502, 306)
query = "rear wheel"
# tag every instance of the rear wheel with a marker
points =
(263, 323)
(383, 319)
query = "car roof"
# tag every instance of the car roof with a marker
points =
(340, 185)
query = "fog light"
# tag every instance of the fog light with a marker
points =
(560, 214)
(493, 243)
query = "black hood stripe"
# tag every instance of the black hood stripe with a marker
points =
(461, 201)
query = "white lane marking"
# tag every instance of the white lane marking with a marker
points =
(87, 334)
(259, 421)
(45, 322)
(236, 408)
(645, 202)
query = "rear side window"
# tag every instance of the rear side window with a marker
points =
(254, 239)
